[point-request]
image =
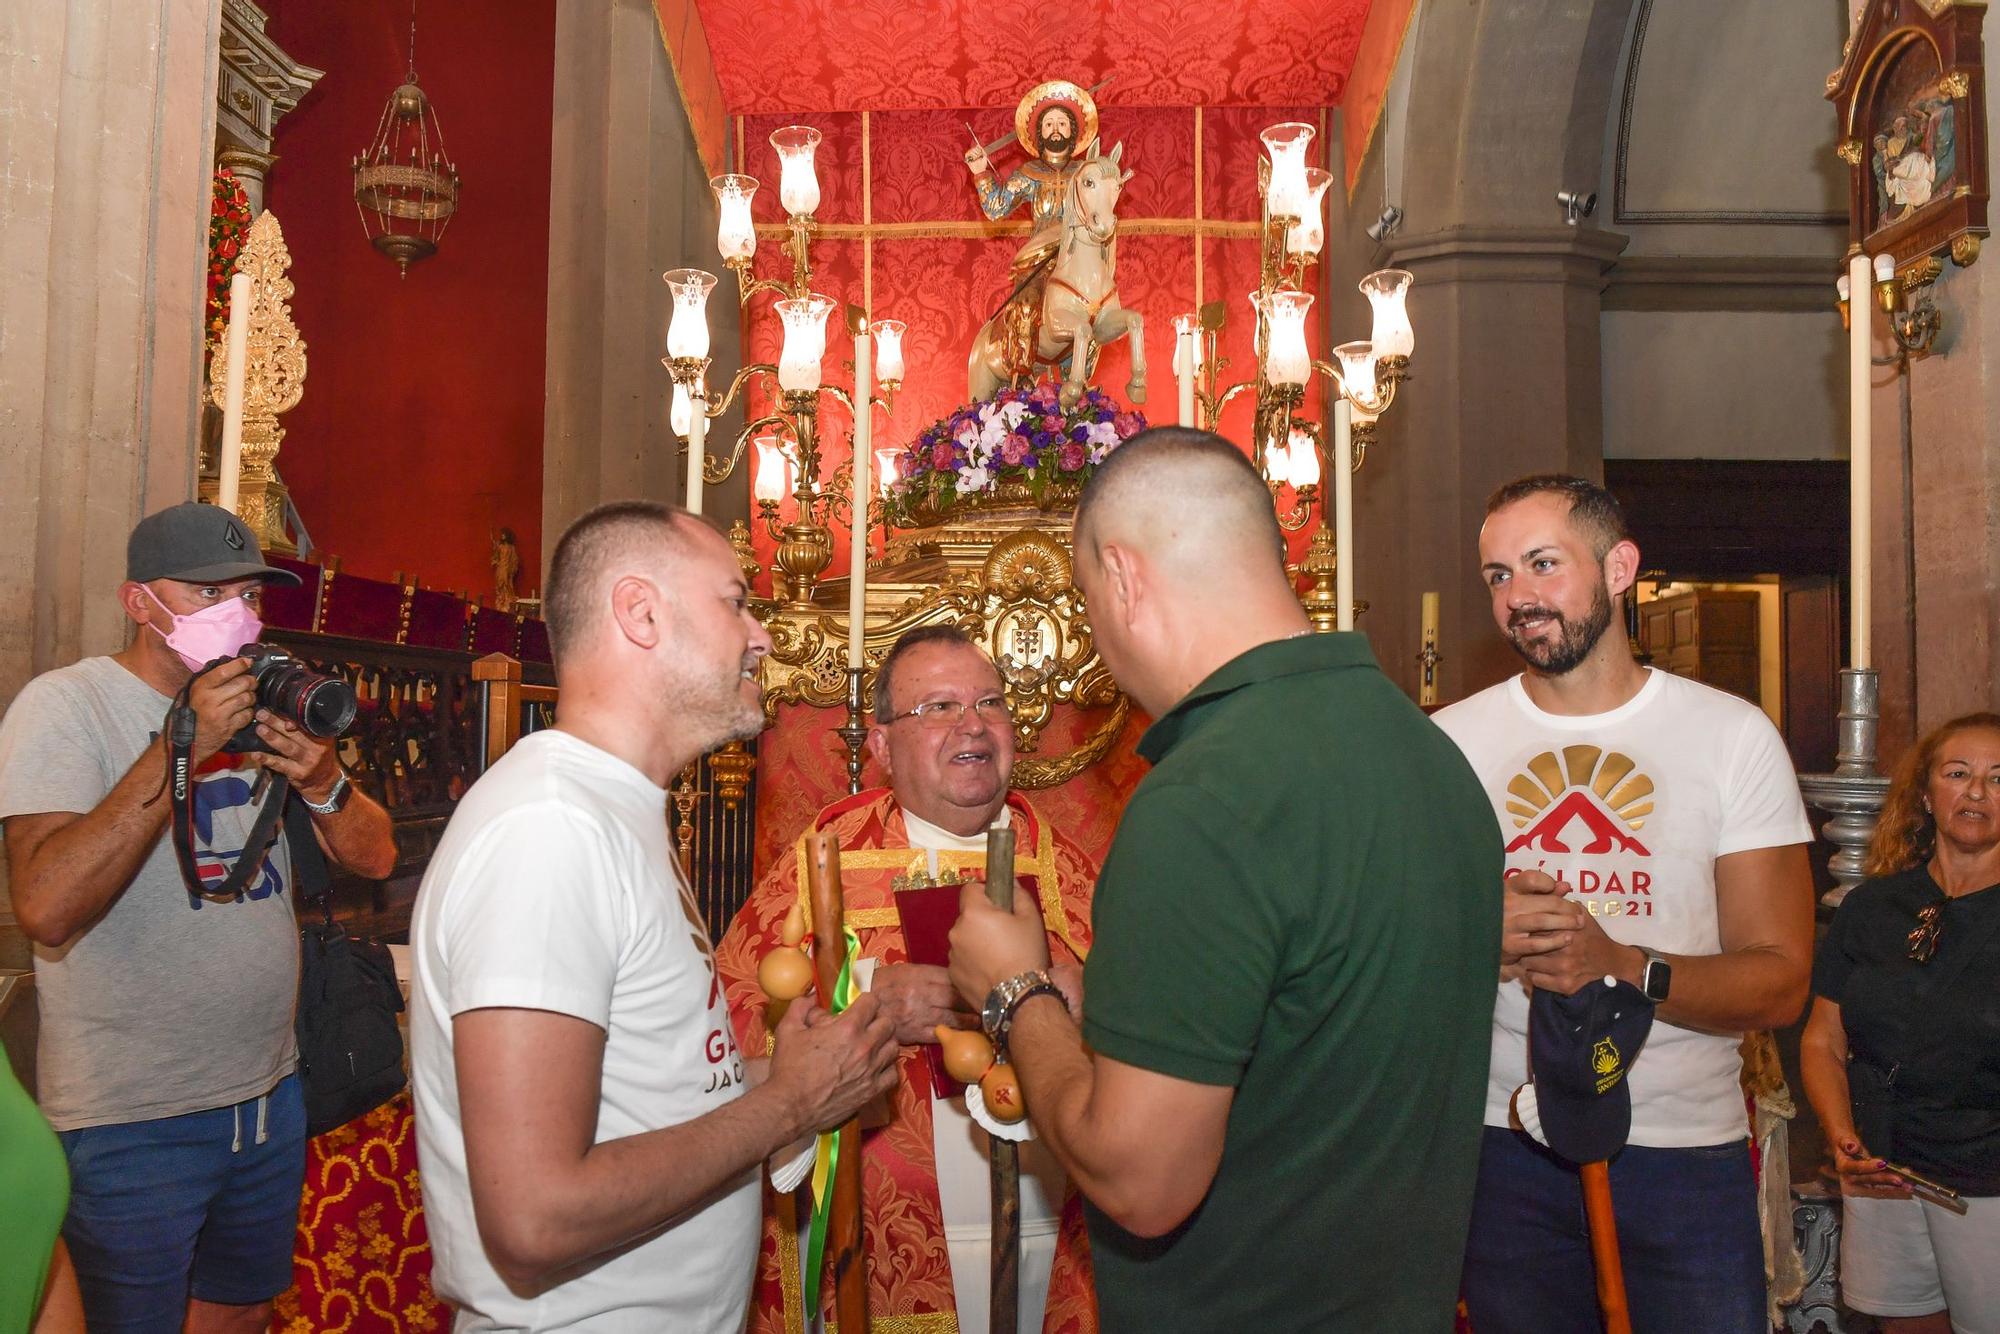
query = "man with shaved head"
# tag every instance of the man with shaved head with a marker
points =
(1272, 1104)
(590, 1133)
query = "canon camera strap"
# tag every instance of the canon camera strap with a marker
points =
(181, 785)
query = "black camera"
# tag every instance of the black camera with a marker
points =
(323, 705)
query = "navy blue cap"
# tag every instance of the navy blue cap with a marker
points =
(1580, 1049)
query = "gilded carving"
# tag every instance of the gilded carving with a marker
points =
(273, 381)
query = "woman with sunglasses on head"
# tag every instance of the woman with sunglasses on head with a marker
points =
(1901, 1056)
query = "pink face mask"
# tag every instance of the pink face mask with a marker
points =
(214, 632)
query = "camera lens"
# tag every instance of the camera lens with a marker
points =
(323, 705)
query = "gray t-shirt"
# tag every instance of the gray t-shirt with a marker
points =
(169, 1003)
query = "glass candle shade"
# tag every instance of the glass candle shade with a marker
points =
(735, 233)
(889, 352)
(885, 469)
(1187, 334)
(687, 331)
(773, 480)
(1288, 193)
(1286, 360)
(1304, 460)
(805, 341)
(1309, 234)
(798, 185)
(1357, 370)
(681, 415)
(1386, 290)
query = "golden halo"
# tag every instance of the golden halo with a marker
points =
(1056, 93)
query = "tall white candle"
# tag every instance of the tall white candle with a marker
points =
(857, 558)
(1860, 358)
(1185, 352)
(1343, 513)
(229, 461)
(697, 447)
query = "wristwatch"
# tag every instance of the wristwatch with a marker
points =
(334, 799)
(998, 1014)
(1657, 977)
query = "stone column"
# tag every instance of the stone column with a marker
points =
(628, 199)
(106, 132)
(1505, 382)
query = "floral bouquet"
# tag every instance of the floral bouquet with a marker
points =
(1020, 444)
(228, 226)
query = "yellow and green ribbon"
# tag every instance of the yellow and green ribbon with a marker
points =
(826, 1156)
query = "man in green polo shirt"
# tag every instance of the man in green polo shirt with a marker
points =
(1273, 1105)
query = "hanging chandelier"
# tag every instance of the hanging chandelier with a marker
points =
(405, 188)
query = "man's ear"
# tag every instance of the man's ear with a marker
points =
(1621, 567)
(878, 746)
(137, 601)
(640, 611)
(1123, 583)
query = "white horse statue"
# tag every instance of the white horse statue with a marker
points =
(1065, 306)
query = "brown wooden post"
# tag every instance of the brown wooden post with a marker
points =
(499, 680)
(844, 1253)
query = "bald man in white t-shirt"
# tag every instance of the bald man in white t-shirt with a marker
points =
(1655, 834)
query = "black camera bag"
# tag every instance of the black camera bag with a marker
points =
(350, 1048)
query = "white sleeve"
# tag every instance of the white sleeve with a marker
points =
(1761, 807)
(533, 918)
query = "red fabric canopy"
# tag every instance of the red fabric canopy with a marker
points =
(796, 56)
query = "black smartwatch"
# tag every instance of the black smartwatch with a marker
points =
(1657, 977)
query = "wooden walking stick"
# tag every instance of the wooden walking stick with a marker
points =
(1604, 1248)
(1003, 1159)
(844, 1254)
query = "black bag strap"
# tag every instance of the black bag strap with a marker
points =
(309, 869)
(180, 778)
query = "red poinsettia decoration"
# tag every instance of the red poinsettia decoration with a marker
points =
(228, 225)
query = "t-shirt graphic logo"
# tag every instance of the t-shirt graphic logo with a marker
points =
(213, 859)
(1587, 797)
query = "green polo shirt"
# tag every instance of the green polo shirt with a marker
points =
(1303, 903)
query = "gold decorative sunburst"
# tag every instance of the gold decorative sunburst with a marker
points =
(1607, 774)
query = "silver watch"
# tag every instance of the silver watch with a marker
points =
(334, 799)
(998, 1014)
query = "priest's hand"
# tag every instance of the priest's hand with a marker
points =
(917, 998)
(990, 945)
(1535, 919)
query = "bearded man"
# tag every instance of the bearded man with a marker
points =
(943, 734)
(1655, 834)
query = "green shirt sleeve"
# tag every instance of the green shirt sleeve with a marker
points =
(1187, 945)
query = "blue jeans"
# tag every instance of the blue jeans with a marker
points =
(199, 1205)
(1688, 1234)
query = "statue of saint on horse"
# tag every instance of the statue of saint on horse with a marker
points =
(1064, 304)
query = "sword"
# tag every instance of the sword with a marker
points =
(1005, 139)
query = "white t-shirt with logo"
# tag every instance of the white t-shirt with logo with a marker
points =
(1630, 810)
(555, 888)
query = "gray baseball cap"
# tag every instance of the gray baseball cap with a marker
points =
(197, 543)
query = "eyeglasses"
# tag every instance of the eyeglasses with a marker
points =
(942, 713)
(1924, 936)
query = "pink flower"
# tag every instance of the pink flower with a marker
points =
(1014, 451)
(941, 455)
(1052, 423)
(1128, 423)
(1071, 456)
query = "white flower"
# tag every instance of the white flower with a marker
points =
(990, 435)
(1100, 435)
(1012, 413)
(975, 478)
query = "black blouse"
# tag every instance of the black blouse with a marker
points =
(1940, 1047)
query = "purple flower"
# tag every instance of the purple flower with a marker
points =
(1043, 439)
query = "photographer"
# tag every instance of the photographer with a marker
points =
(166, 1055)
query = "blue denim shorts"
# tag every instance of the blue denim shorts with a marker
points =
(203, 1205)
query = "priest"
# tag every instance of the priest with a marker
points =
(943, 735)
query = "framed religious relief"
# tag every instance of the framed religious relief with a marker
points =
(1911, 93)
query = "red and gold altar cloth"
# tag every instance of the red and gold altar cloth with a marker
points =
(362, 1260)
(909, 1268)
